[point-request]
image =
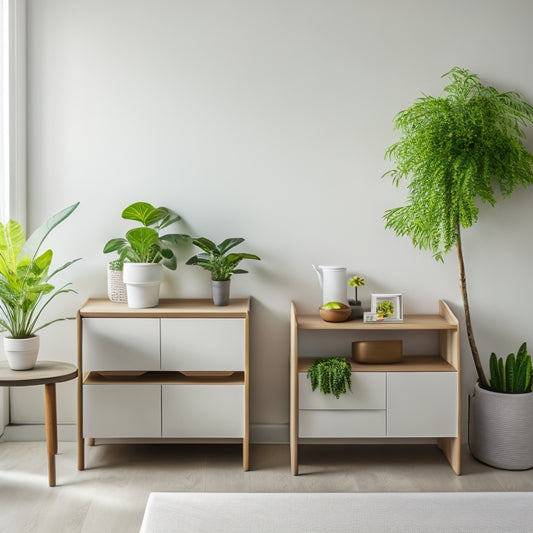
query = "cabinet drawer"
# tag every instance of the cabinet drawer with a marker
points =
(121, 411)
(368, 392)
(203, 344)
(205, 411)
(326, 424)
(121, 344)
(422, 404)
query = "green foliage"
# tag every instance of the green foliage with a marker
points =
(513, 376)
(25, 288)
(452, 149)
(331, 375)
(356, 281)
(385, 308)
(216, 260)
(146, 244)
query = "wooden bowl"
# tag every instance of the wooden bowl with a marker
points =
(335, 315)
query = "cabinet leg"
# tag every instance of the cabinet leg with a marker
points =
(245, 455)
(294, 458)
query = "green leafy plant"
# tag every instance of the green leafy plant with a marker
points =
(25, 288)
(146, 244)
(216, 259)
(513, 376)
(356, 281)
(331, 375)
(452, 150)
(386, 309)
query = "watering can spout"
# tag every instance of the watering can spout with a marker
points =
(318, 271)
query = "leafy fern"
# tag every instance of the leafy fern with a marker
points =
(331, 375)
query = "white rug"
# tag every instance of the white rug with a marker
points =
(406, 512)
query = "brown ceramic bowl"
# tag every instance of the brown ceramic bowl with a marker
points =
(335, 315)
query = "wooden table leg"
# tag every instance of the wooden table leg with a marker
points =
(51, 430)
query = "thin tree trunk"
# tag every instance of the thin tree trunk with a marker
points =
(462, 278)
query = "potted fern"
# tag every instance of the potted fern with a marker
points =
(216, 259)
(25, 288)
(145, 251)
(453, 150)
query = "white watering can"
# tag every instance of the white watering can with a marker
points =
(333, 282)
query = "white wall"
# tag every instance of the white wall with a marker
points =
(266, 120)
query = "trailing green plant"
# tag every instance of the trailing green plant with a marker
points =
(25, 288)
(216, 259)
(513, 376)
(453, 149)
(331, 375)
(146, 244)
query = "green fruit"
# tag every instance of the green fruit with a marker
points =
(333, 305)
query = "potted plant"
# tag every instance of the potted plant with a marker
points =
(331, 375)
(116, 289)
(452, 150)
(144, 251)
(222, 265)
(355, 304)
(25, 288)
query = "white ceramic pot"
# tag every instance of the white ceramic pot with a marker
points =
(220, 292)
(21, 354)
(500, 429)
(142, 282)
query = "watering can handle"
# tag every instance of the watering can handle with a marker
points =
(319, 274)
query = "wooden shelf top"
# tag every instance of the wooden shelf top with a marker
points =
(167, 308)
(409, 363)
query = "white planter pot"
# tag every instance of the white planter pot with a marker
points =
(500, 428)
(220, 291)
(21, 354)
(142, 282)
(116, 290)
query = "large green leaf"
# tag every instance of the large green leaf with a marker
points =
(144, 213)
(141, 240)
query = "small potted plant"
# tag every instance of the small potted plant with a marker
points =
(25, 288)
(331, 375)
(222, 265)
(355, 304)
(144, 251)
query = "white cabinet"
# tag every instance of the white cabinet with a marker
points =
(422, 404)
(416, 398)
(179, 370)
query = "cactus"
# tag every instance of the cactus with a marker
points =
(513, 376)
(332, 375)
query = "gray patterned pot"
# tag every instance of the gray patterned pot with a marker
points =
(500, 429)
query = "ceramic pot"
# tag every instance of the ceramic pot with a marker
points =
(220, 291)
(357, 309)
(142, 282)
(500, 428)
(21, 354)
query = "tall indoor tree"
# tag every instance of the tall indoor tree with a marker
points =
(453, 150)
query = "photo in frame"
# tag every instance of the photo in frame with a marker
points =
(387, 307)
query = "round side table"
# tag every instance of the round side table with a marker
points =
(46, 373)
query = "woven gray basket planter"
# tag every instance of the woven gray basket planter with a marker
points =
(116, 289)
(500, 429)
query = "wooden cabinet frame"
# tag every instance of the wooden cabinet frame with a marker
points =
(445, 324)
(167, 308)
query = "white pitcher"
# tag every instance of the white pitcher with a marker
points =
(333, 281)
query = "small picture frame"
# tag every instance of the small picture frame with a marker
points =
(387, 307)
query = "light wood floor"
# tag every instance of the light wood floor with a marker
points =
(111, 494)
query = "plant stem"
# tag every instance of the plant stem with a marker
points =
(469, 330)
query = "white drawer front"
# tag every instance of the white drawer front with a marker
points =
(203, 411)
(422, 404)
(121, 344)
(121, 411)
(360, 423)
(368, 392)
(203, 344)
